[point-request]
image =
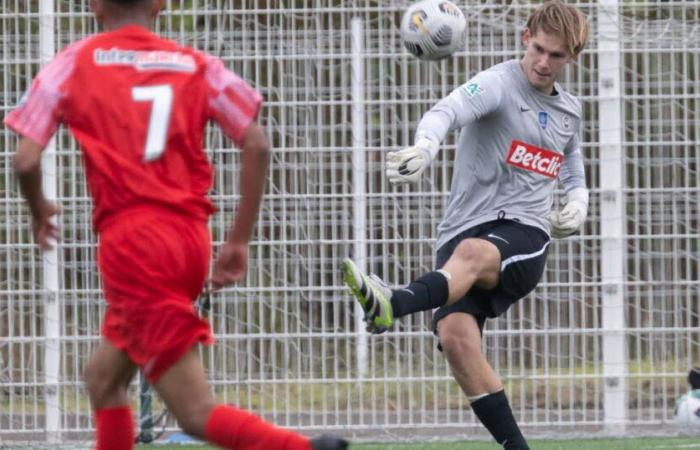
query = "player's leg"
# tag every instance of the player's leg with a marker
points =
(473, 262)
(523, 251)
(460, 339)
(138, 268)
(107, 376)
(191, 405)
(199, 415)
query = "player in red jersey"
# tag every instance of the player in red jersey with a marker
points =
(138, 106)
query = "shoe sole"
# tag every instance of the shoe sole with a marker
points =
(349, 277)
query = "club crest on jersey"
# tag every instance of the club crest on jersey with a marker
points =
(472, 88)
(534, 159)
(566, 121)
(543, 118)
(145, 60)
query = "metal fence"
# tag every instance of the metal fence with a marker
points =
(603, 343)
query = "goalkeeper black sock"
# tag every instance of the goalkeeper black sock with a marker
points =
(425, 293)
(494, 412)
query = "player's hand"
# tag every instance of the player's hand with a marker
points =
(407, 165)
(230, 266)
(45, 226)
(571, 217)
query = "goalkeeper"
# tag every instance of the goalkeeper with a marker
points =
(519, 134)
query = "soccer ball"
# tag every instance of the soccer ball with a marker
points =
(433, 29)
(688, 409)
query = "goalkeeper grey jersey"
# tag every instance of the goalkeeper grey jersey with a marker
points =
(515, 142)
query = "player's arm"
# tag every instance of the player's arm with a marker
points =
(234, 105)
(232, 262)
(572, 176)
(255, 157)
(468, 103)
(27, 167)
(35, 119)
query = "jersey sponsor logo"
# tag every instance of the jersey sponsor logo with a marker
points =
(145, 60)
(472, 88)
(543, 119)
(535, 159)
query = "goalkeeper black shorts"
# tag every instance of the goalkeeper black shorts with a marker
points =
(523, 251)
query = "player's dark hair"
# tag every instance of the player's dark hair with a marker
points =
(126, 3)
(556, 17)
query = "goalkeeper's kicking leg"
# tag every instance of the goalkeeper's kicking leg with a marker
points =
(186, 393)
(482, 272)
(475, 262)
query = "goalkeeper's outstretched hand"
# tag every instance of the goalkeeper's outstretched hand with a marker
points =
(569, 220)
(407, 165)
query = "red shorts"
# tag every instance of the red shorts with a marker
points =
(154, 265)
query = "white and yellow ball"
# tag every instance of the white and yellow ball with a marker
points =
(433, 29)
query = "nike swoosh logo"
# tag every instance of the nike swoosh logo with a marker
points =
(499, 238)
(524, 109)
(409, 291)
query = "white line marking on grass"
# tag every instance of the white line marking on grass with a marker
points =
(673, 446)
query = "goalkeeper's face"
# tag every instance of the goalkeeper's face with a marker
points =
(545, 57)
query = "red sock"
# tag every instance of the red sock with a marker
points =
(233, 428)
(115, 429)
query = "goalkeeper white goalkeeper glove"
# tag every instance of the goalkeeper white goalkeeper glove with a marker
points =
(571, 217)
(407, 165)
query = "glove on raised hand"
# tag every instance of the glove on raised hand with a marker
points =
(407, 165)
(571, 217)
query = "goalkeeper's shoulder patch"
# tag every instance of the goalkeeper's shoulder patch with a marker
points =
(472, 88)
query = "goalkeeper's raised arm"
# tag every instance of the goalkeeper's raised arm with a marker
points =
(466, 104)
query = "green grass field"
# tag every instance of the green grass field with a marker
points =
(591, 444)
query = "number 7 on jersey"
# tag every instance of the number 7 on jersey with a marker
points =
(161, 97)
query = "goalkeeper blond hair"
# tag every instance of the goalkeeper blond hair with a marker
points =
(556, 17)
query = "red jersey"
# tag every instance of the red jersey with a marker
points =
(138, 105)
